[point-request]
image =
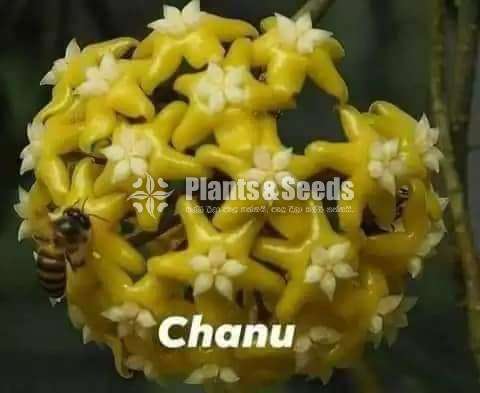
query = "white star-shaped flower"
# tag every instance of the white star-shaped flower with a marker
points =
(299, 35)
(219, 87)
(327, 265)
(391, 315)
(130, 154)
(32, 151)
(100, 79)
(139, 363)
(432, 240)
(270, 166)
(60, 65)
(426, 138)
(176, 22)
(212, 371)
(130, 319)
(215, 269)
(316, 336)
(386, 163)
(23, 209)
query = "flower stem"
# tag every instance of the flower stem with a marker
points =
(461, 223)
(464, 76)
(317, 9)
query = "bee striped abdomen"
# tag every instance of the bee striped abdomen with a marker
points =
(51, 270)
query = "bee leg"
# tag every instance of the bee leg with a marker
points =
(69, 261)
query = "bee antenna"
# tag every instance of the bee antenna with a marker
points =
(84, 204)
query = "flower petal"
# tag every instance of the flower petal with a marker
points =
(191, 13)
(24, 231)
(232, 268)
(217, 256)
(313, 274)
(328, 284)
(87, 336)
(200, 263)
(139, 166)
(304, 23)
(73, 49)
(114, 153)
(254, 174)
(287, 30)
(376, 324)
(388, 304)
(28, 163)
(216, 101)
(320, 255)
(203, 283)
(324, 335)
(303, 344)
(308, 41)
(196, 377)
(228, 375)
(387, 181)
(376, 151)
(109, 68)
(114, 314)
(415, 267)
(130, 310)
(49, 79)
(262, 159)
(344, 271)
(281, 160)
(121, 171)
(376, 169)
(338, 252)
(224, 286)
(146, 319)
(142, 147)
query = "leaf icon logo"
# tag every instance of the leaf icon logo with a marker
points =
(150, 198)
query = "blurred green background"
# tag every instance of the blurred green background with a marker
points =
(387, 44)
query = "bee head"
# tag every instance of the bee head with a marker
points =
(72, 226)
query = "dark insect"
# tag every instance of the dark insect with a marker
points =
(402, 198)
(69, 244)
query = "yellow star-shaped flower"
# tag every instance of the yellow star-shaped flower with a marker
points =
(50, 167)
(376, 168)
(314, 264)
(418, 138)
(224, 100)
(192, 35)
(75, 73)
(268, 161)
(291, 51)
(138, 149)
(216, 277)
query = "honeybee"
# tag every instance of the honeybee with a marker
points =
(71, 233)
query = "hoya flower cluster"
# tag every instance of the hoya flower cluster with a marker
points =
(123, 115)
